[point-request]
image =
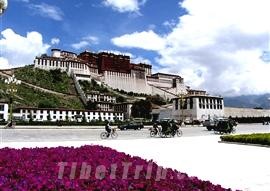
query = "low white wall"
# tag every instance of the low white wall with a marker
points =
(245, 112)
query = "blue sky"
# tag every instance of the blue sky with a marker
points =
(91, 21)
(221, 46)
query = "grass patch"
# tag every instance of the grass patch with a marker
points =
(256, 138)
(27, 96)
(53, 80)
(88, 87)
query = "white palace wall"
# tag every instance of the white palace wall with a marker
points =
(246, 112)
(126, 82)
(136, 81)
(64, 65)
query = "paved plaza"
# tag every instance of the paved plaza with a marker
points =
(197, 153)
(91, 133)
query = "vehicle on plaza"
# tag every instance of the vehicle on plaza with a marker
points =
(106, 135)
(166, 128)
(155, 130)
(136, 125)
(10, 125)
(171, 133)
(210, 124)
(192, 122)
(218, 124)
(266, 122)
(225, 126)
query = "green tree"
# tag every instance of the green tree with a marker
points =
(46, 104)
(141, 109)
(91, 105)
(56, 75)
(156, 99)
(120, 99)
(93, 83)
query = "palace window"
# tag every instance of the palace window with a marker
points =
(191, 103)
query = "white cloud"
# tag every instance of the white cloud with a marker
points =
(148, 40)
(170, 24)
(216, 46)
(25, 1)
(47, 11)
(80, 45)
(55, 41)
(4, 63)
(18, 50)
(91, 39)
(139, 59)
(124, 5)
(85, 41)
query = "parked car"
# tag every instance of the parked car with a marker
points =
(192, 122)
(131, 125)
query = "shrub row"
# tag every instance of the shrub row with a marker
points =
(251, 119)
(259, 138)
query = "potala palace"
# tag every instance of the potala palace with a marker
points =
(117, 71)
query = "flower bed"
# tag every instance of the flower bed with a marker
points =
(259, 138)
(92, 168)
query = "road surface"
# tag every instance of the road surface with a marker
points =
(93, 134)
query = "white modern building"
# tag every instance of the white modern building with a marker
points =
(43, 114)
(3, 111)
(197, 107)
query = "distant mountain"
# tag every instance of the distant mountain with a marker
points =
(248, 101)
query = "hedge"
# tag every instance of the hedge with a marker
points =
(258, 138)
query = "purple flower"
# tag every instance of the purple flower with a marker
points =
(89, 168)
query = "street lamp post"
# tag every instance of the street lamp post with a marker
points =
(12, 83)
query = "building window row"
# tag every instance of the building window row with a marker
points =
(63, 115)
(60, 64)
(210, 103)
(204, 103)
